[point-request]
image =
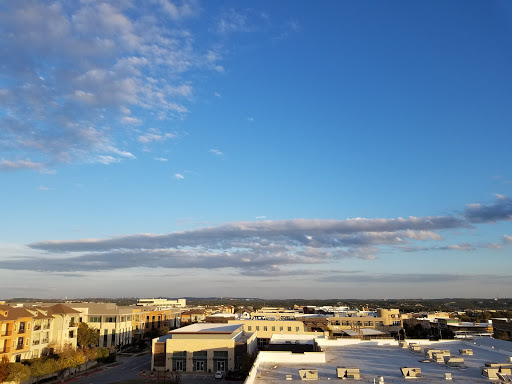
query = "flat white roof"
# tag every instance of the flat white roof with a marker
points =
(208, 328)
(375, 360)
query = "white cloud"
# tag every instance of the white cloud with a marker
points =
(41, 188)
(155, 136)
(216, 152)
(179, 176)
(130, 120)
(162, 159)
(253, 247)
(183, 10)
(507, 239)
(13, 165)
(217, 95)
(110, 64)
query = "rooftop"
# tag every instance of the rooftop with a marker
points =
(208, 328)
(385, 359)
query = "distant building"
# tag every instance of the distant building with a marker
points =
(180, 303)
(503, 327)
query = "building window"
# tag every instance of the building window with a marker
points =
(265, 328)
(249, 328)
(281, 329)
(273, 329)
(71, 334)
(94, 319)
(22, 327)
(257, 327)
(296, 329)
(289, 329)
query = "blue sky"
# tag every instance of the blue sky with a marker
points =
(270, 149)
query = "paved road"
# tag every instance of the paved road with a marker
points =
(127, 370)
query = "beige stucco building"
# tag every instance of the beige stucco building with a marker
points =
(202, 348)
(113, 323)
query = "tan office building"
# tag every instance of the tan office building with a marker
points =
(202, 348)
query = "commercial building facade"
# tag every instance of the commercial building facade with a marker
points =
(202, 348)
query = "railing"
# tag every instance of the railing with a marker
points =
(35, 342)
(46, 327)
(44, 341)
(7, 333)
(37, 327)
(5, 350)
(72, 324)
(19, 346)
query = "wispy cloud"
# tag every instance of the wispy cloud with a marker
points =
(14, 165)
(233, 21)
(179, 176)
(216, 152)
(82, 69)
(254, 246)
(161, 159)
(155, 135)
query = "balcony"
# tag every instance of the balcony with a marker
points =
(46, 327)
(37, 327)
(44, 341)
(19, 346)
(6, 333)
(73, 324)
(35, 342)
(5, 350)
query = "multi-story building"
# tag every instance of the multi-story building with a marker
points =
(385, 321)
(202, 348)
(113, 323)
(15, 333)
(156, 318)
(65, 326)
(264, 329)
(179, 303)
(41, 332)
(502, 327)
(193, 316)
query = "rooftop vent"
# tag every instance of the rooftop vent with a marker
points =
(308, 374)
(411, 373)
(454, 361)
(468, 352)
(348, 373)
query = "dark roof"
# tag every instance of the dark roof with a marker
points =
(61, 309)
(13, 313)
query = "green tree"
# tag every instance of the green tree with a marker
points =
(18, 373)
(86, 336)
